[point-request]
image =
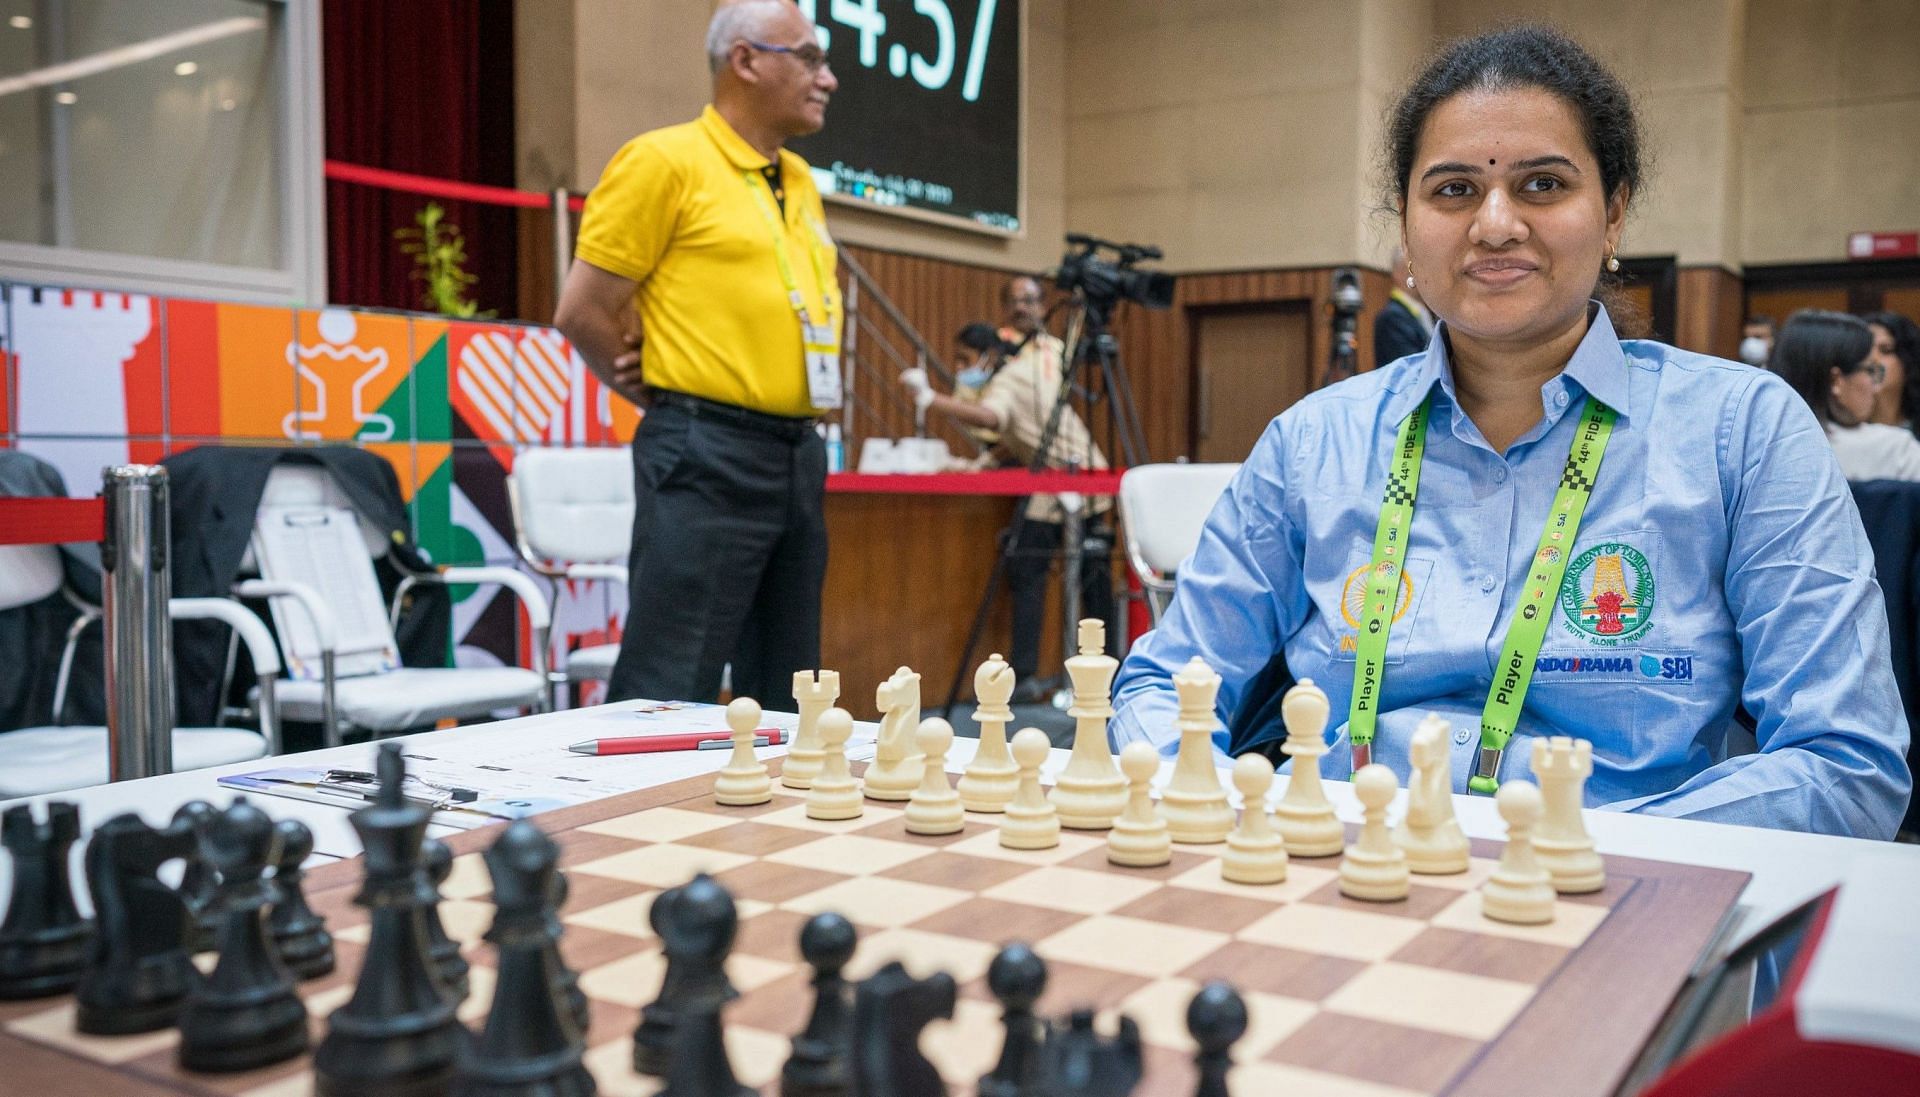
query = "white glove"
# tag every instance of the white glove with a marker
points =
(915, 381)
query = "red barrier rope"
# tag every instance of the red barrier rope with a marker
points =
(52, 521)
(989, 482)
(343, 172)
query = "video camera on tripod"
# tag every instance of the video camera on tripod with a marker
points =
(1347, 299)
(1104, 283)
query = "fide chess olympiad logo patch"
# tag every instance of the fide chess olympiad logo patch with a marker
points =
(1608, 593)
(1353, 595)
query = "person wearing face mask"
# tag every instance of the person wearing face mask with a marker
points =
(1829, 359)
(1018, 403)
(1896, 346)
(1534, 527)
(712, 234)
(1756, 341)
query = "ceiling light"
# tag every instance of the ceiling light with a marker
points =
(228, 104)
(66, 98)
(185, 68)
(21, 22)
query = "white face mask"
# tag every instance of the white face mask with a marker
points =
(1753, 350)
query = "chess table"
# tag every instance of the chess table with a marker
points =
(1347, 998)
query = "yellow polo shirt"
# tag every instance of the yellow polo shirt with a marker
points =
(684, 212)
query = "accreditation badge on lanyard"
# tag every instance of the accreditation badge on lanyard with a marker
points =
(819, 342)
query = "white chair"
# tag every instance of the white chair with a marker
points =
(326, 614)
(44, 760)
(1164, 508)
(573, 519)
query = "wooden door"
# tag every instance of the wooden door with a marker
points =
(1249, 365)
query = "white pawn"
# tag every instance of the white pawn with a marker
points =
(896, 768)
(1562, 765)
(1374, 868)
(1255, 854)
(814, 695)
(834, 793)
(991, 777)
(1430, 835)
(1030, 821)
(1195, 805)
(934, 807)
(1520, 889)
(1139, 837)
(1304, 815)
(744, 780)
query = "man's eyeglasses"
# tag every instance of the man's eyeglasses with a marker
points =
(810, 55)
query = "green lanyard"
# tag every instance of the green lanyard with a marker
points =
(763, 198)
(1515, 668)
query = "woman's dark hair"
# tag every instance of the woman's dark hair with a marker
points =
(1527, 56)
(1906, 347)
(1811, 345)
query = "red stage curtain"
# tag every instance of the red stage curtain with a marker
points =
(424, 88)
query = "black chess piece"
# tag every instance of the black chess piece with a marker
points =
(699, 933)
(138, 969)
(653, 1037)
(890, 1008)
(1017, 977)
(819, 1065)
(247, 1013)
(299, 935)
(1216, 1017)
(1077, 1061)
(43, 942)
(397, 1036)
(436, 864)
(198, 881)
(531, 1046)
(565, 982)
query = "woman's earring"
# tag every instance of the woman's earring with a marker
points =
(1409, 274)
(1613, 265)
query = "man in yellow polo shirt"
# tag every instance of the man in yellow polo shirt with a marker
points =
(713, 235)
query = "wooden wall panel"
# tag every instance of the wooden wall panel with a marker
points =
(1710, 311)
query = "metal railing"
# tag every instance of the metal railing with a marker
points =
(877, 343)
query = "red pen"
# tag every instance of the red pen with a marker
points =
(655, 744)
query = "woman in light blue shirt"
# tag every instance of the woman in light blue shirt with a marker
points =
(1535, 527)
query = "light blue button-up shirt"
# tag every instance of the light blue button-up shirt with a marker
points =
(1720, 560)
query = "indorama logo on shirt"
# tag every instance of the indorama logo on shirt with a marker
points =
(1607, 595)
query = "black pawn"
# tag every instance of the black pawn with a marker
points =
(138, 969)
(818, 1066)
(1216, 1018)
(436, 863)
(397, 1036)
(653, 1037)
(247, 1013)
(198, 881)
(530, 1046)
(43, 942)
(700, 934)
(565, 982)
(1017, 977)
(299, 934)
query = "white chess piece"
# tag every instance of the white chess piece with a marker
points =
(1562, 765)
(1430, 835)
(896, 767)
(1374, 868)
(1255, 854)
(814, 695)
(1090, 793)
(1139, 838)
(991, 777)
(1195, 805)
(744, 781)
(1304, 815)
(1030, 821)
(834, 793)
(934, 807)
(1520, 889)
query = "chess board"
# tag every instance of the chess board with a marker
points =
(1346, 998)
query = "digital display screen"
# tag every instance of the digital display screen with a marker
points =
(927, 117)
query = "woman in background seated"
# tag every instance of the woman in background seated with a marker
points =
(1896, 345)
(1828, 359)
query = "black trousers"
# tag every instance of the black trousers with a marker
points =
(729, 554)
(1029, 558)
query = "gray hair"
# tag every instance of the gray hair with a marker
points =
(741, 20)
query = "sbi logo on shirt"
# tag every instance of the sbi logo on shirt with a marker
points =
(1672, 668)
(1677, 668)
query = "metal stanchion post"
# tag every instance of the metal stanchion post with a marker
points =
(138, 632)
(562, 241)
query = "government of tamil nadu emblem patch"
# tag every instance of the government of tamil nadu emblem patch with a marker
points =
(1607, 595)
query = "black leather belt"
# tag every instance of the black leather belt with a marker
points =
(786, 428)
